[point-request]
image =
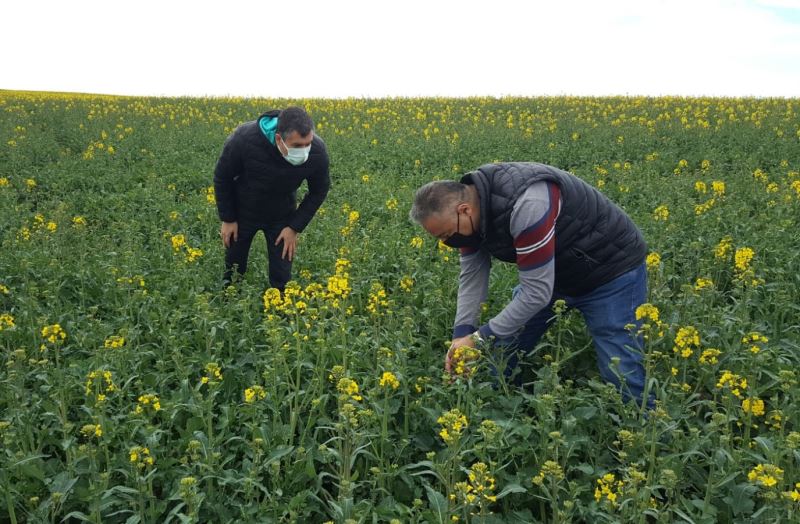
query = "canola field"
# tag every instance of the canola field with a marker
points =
(134, 388)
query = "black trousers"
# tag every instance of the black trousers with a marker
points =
(280, 269)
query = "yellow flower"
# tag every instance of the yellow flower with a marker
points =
(140, 457)
(686, 341)
(653, 261)
(6, 321)
(416, 242)
(114, 342)
(647, 311)
(453, 423)
(150, 401)
(724, 247)
(192, 254)
(389, 380)
(608, 488)
(53, 333)
(391, 204)
(718, 187)
(78, 221)
(254, 393)
(377, 301)
(703, 283)
(754, 406)
(661, 213)
(765, 475)
(92, 430)
(178, 241)
(742, 259)
(709, 356)
(348, 387)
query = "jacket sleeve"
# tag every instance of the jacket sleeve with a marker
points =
(318, 185)
(229, 166)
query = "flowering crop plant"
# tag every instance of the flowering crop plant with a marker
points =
(136, 388)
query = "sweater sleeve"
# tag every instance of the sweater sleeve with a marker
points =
(473, 288)
(318, 185)
(229, 167)
(533, 222)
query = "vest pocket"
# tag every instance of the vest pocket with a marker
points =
(584, 258)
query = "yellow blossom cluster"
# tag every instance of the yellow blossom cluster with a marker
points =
(661, 213)
(254, 393)
(352, 220)
(793, 495)
(742, 259)
(653, 261)
(608, 488)
(54, 334)
(92, 431)
(213, 374)
(755, 341)
(416, 242)
(453, 424)
(549, 470)
(191, 254)
(210, 196)
(389, 380)
(98, 383)
(703, 283)
(710, 356)
(377, 302)
(733, 382)
(348, 387)
(463, 360)
(478, 490)
(6, 321)
(78, 221)
(114, 342)
(765, 475)
(140, 457)
(148, 401)
(687, 340)
(406, 283)
(724, 247)
(754, 406)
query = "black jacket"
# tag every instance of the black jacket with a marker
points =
(595, 240)
(255, 185)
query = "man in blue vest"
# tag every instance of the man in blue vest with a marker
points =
(263, 163)
(568, 241)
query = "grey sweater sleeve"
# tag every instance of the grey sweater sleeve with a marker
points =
(473, 288)
(533, 228)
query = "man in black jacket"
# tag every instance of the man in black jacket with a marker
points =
(262, 164)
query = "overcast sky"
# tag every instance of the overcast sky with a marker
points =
(340, 48)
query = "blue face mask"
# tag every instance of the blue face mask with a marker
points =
(296, 155)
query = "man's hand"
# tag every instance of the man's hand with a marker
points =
(468, 341)
(289, 238)
(228, 231)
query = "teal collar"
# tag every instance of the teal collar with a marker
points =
(268, 125)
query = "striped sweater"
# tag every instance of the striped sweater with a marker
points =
(533, 227)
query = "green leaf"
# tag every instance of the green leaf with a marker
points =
(437, 503)
(511, 488)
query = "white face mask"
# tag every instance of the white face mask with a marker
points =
(296, 155)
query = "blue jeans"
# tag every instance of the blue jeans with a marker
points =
(606, 310)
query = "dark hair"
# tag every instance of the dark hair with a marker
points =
(435, 197)
(294, 119)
